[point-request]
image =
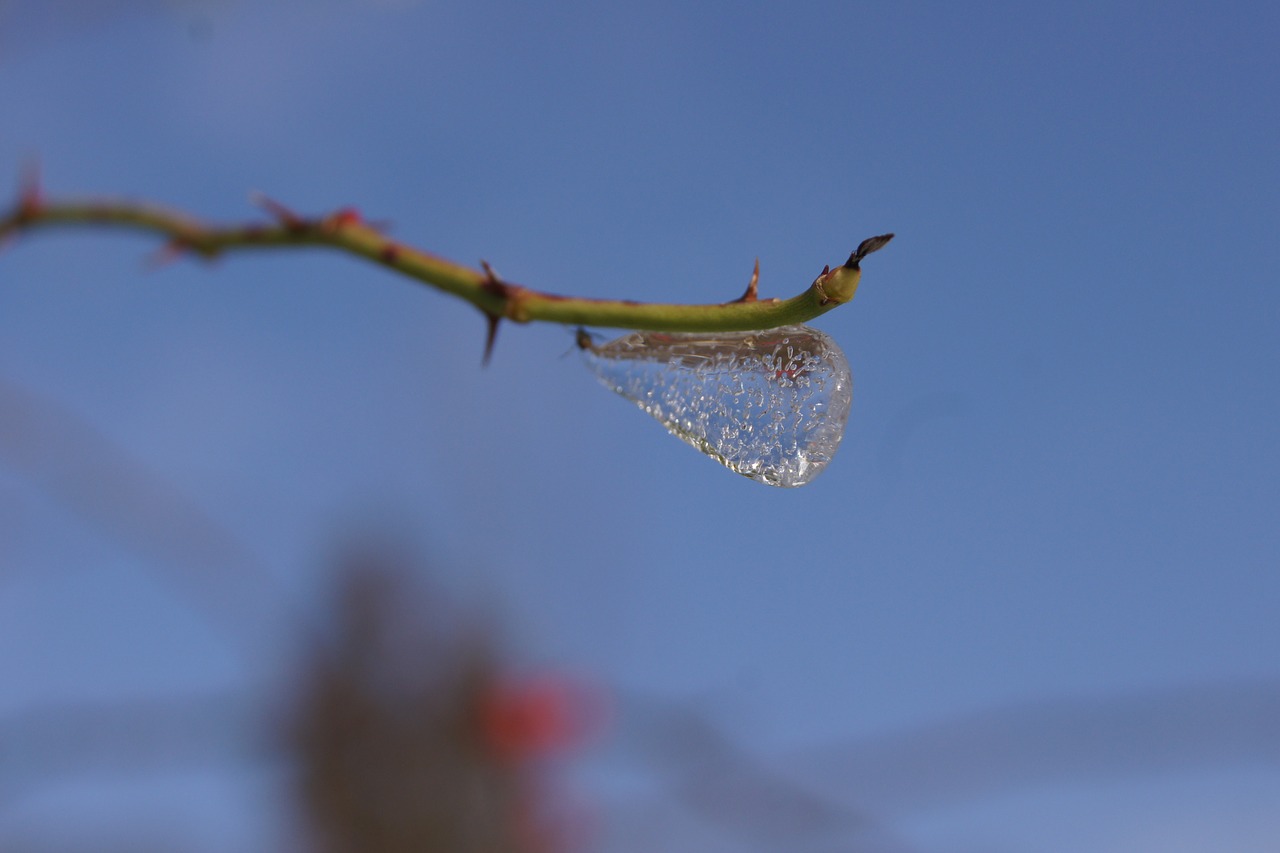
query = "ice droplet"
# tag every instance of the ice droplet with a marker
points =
(771, 405)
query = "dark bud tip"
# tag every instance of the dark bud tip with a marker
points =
(871, 245)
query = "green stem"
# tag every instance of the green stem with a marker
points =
(345, 231)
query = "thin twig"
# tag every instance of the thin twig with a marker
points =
(345, 230)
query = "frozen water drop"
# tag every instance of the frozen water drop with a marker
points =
(771, 405)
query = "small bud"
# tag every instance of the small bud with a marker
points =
(341, 218)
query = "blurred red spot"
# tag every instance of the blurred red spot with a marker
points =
(536, 718)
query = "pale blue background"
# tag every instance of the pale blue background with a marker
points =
(1060, 478)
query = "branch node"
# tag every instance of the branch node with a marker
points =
(508, 293)
(823, 299)
(494, 284)
(390, 253)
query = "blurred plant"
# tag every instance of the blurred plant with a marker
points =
(407, 729)
(409, 736)
(404, 731)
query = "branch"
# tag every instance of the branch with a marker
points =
(346, 231)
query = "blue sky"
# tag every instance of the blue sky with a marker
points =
(1060, 477)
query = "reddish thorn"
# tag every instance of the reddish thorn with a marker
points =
(491, 337)
(167, 254)
(283, 214)
(30, 195)
(493, 283)
(750, 295)
(390, 253)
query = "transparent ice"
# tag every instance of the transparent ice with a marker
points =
(770, 405)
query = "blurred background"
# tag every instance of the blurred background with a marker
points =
(1031, 605)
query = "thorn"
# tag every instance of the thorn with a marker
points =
(491, 337)
(283, 214)
(750, 295)
(494, 284)
(30, 194)
(499, 288)
(493, 281)
(166, 254)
